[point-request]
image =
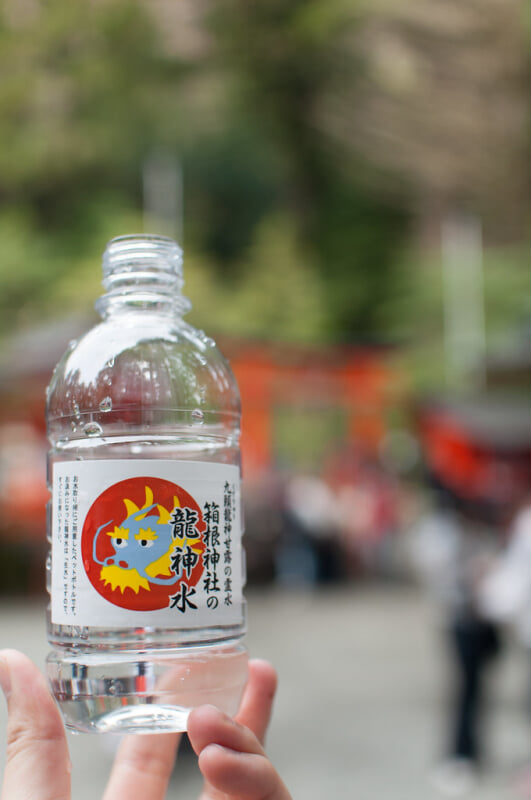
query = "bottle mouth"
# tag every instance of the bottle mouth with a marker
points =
(140, 251)
(142, 270)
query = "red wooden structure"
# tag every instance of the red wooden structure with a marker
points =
(360, 383)
(480, 449)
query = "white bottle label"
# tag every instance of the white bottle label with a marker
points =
(139, 543)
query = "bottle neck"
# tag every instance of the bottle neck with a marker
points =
(142, 272)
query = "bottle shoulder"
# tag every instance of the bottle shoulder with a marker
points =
(141, 358)
(125, 330)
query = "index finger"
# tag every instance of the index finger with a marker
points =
(38, 763)
(257, 702)
(143, 766)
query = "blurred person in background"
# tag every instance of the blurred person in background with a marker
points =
(307, 551)
(23, 498)
(506, 591)
(506, 595)
(366, 510)
(453, 550)
(263, 507)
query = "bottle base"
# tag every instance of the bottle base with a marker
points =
(129, 719)
(150, 692)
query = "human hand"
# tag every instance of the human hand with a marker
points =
(230, 752)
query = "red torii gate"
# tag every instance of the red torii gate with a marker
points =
(358, 380)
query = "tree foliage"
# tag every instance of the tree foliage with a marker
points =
(442, 102)
(308, 132)
(79, 86)
(285, 56)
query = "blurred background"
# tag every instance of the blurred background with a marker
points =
(350, 181)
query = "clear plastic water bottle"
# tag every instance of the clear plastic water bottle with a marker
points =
(146, 571)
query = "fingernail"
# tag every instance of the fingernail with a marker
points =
(5, 677)
(214, 709)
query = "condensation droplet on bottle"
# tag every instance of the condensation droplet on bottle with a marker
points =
(75, 408)
(197, 415)
(48, 572)
(106, 404)
(92, 429)
(207, 341)
(73, 425)
(110, 363)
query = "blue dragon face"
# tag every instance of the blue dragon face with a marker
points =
(139, 541)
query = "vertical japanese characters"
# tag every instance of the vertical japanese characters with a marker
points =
(66, 510)
(229, 511)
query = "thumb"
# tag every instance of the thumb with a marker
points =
(38, 764)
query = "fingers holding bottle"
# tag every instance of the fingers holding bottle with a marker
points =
(37, 763)
(230, 752)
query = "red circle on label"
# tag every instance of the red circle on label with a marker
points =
(142, 544)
